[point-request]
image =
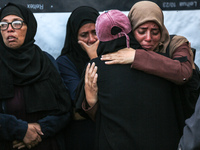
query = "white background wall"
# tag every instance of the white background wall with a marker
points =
(52, 29)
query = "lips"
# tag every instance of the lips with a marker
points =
(11, 38)
(147, 47)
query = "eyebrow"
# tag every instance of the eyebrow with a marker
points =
(154, 28)
(83, 32)
(142, 27)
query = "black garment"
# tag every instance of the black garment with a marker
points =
(188, 92)
(79, 17)
(117, 44)
(13, 123)
(136, 110)
(31, 90)
(31, 69)
(80, 133)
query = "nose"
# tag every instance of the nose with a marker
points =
(148, 36)
(10, 28)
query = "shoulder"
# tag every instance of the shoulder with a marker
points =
(176, 42)
(63, 59)
(51, 58)
(178, 38)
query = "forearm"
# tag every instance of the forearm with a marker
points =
(156, 64)
(51, 125)
(91, 111)
(12, 128)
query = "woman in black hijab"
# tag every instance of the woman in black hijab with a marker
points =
(33, 98)
(71, 62)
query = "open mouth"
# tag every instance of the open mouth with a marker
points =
(11, 38)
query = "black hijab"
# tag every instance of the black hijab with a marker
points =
(117, 44)
(30, 68)
(79, 17)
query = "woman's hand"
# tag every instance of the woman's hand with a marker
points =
(123, 56)
(90, 49)
(18, 144)
(33, 135)
(91, 88)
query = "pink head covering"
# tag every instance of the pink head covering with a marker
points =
(111, 25)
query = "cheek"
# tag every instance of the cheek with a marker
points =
(139, 38)
(156, 39)
(22, 38)
(21, 35)
(82, 39)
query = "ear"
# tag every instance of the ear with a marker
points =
(115, 30)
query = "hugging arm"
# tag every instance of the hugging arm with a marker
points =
(154, 63)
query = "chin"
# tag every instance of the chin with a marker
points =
(12, 46)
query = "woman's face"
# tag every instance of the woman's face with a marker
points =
(148, 35)
(13, 38)
(87, 34)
